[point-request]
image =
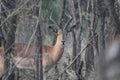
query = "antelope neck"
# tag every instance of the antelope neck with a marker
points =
(59, 40)
(57, 52)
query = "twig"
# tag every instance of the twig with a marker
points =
(76, 57)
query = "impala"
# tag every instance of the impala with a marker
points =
(51, 54)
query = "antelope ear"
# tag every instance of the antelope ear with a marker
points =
(51, 28)
(72, 28)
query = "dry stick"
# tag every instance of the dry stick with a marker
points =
(78, 55)
(27, 47)
(31, 36)
(30, 41)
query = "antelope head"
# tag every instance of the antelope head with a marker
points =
(61, 31)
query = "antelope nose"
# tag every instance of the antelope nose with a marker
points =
(63, 42)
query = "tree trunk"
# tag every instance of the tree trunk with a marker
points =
(38, 43)
(9, 28)
(101, 34)
(77, 38)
